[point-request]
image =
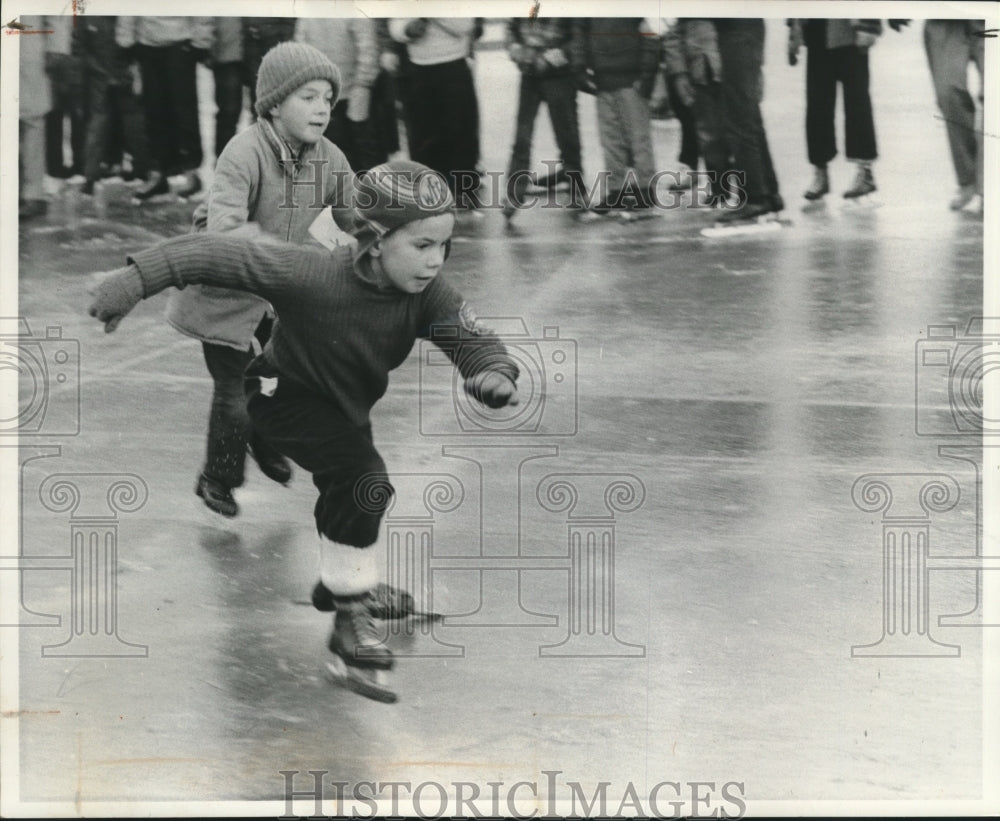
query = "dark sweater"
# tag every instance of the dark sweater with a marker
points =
(338, 332)
(616, 49)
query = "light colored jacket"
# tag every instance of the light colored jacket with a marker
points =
(691, 47)
(446, 39)
(164, 31)
(250, 186)
(349, 43)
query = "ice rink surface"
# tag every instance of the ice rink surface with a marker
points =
(659, 577)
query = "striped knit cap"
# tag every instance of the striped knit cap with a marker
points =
(288, 66)
(393, 194)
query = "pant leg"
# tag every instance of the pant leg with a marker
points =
(461, 126)
(821, 103)
(689, 131)
(741, 43)
(528, 101)
(228, 102)
(97, 126)
(710, 125)
(948, 55)
(559, 93)
(31, 132)
(613, 144)
(183, 106)
(228, 423)
(638, 132)
(859, 121)
(339, 133)
(133, 129)
(347, 470)
(152, 67)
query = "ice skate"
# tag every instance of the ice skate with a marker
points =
(820, 185)
(974, 207)
(191, 188)
(962, 197)
(861, 191)
(360, 659)
(157, 186)
(752, 218)
(384, 602)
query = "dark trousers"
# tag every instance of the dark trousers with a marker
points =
(444, 121)
(710, 130)
(66, 104)
(383, 113)
(229, 81)
(689, 153)
(356, 140)
(741, 43)
(229, 429)
(559, 95)
(825, 68)
(348, 472)
(112, 109)
(170, 100)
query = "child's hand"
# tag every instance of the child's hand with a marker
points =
(492, 389)
(115, 294)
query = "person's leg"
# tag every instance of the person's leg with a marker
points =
(559, 93)
(859, 121)
(689, 154)
(182, 105)
(133, 127)
(153, 68)
(228, 102)
(948, 57)
(462, 130)
(97, 128)
(338, 132)
(228, 427)
(821, 103)
(710, 124)
(528, 101)
(611, 129)
(638, 133)
(32, 155)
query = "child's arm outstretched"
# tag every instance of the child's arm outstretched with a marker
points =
(210, 259)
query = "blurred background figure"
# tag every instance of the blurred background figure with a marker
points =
(230, 74)
(951, 45)
(38, 55)
(693, 68)
(442, 107)
(67, 102)
(837, 53)
(539, 48)
(350, 43)
(260, 35)
(385, 90)
(167, 50)
(616, 59)
(111, 105)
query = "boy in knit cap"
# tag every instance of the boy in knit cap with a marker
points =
(272, 179)
(347, 318)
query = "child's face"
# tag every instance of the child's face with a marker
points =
(412, 255)
(302, 117)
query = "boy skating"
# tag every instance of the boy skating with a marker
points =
(345, 320)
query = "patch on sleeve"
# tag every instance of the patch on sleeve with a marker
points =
(470, 322)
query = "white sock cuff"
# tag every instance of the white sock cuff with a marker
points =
(347, 570)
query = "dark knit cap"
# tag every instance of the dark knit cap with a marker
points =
(288, 66)
(393, 194)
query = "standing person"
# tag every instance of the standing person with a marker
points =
(693, 66)
(540, 48)
(741, 46)
(682, 106)
(443, 111)
(951, 45)
(67, 101)
(350, 43)
(837, 52)
(274, 179)
(111, 103)
(385, 125)
(616, 58)
(347, 320)
(229, 72)
(167, 50)
(35, 100)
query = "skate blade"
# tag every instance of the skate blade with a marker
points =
(634, 216)
(863, 203)
(365, 682)
(742, 229)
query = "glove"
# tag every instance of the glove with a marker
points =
(115, 294)
(358, 103)
(416, 29)
(683, 89)
(864, 39)
(492, 388)
(898, 25)
(555, 57)
(585, 82)
(389, 62)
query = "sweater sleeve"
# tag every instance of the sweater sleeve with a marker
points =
(269, 270)
(451, 324)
